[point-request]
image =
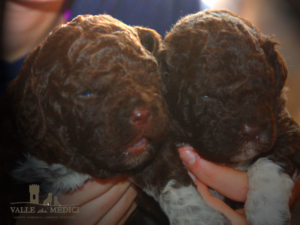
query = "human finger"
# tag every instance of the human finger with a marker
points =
(235, 217)
(120, 209)
(225, 180)
(128, 213)
(93, 211)
(90, 190)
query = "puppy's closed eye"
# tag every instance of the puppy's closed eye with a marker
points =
(86, 93)
(208, 97)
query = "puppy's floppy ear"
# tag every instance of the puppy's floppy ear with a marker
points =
(25, 100)
(277, 62)
(150, 39)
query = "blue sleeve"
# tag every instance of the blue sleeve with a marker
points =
(9, 71)
(159, 15)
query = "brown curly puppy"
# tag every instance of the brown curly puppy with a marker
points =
(87, 103)
(224, 84)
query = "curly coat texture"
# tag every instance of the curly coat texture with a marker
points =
(87, 98)
(88, 103)
(224, 82)
(75, 96)
(222, 74)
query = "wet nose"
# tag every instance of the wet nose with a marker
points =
(140, 116)
(250, 132)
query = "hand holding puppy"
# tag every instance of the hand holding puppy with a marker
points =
(231, 183)
(109, 201)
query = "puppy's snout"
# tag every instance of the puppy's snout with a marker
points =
(140, 116)
(250, 132)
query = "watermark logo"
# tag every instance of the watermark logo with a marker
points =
(36, 210)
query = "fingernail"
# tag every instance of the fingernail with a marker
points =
(188, 157)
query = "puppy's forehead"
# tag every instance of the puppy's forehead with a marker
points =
(86, 28)
(220, 25)
(81, 38)
(219, 43)
(103, 24)
(207, 15)
(213, 37)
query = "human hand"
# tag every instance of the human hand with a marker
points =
(101, 202)
(229, 182)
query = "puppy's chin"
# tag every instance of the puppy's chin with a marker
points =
(251, 149)
(131, 158)
(244, 155)
(137, 156)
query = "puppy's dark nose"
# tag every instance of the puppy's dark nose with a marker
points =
(250, 132)
(140, 116)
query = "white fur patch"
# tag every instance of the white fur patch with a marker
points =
(55, 178)
(185, 206)
(269, 193)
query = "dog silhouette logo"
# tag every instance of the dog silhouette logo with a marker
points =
(56, 202)
(48, 200)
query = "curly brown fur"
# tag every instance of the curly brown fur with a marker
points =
(78, 93)
(224, 83)
(87, 103)
(77, 100)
